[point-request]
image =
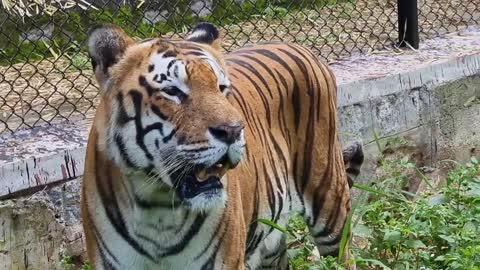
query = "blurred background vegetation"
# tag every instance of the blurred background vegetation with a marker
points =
(35, 29)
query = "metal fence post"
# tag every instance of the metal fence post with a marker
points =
(408, 23)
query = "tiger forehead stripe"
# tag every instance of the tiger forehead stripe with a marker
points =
(165, 70)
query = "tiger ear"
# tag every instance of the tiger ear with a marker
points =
(206, 33)
(106, 45)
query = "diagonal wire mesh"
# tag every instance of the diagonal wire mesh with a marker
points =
(45, 75)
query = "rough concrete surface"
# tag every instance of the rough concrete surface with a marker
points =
(37, 231)
(439, 123)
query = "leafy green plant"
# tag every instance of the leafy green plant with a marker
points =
(395, 229)
(434, 230)
(68, 263)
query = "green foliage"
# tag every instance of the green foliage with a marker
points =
(301, 246)
(432, 230)
(399, 230)
(68, 263)
(72, 26)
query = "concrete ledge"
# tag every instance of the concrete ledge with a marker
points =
(389, 92)
(30, 159)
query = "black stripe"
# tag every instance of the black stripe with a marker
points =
(185, 217)
(102, 247)
(295, 95)
(122, 116)
(254, 224)
(211, 260)
(321, 67)
(310, 131)
(252, 119)
(123, 153)
(155, 126)
(280, 115)
(110, 204)
(297, 188)
(191, 233)
(259, 90)
(213, 237)
(169, 53)
(331, 225)
(143, 82)
(169, 66)
(270, 192)
(145, 238)
(284, 83)
(323, 188)
(167, 138)
(255, 243)
(196, 53)
(312, 66)
(137, 99)
(255, 72)
(200, 149)
(159, 113)
(279, 152)
(148, 205)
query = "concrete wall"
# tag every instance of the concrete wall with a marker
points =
(431, 97)
(37, 231)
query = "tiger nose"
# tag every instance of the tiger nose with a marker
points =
(227, 133)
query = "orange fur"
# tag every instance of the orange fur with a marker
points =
(293, 159)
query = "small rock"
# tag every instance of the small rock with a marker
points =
(44, 32)
(155, 16)
(202, 8)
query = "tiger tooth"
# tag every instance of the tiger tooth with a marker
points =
(223, 171)
(202, 175)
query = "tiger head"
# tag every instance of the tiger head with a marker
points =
(166, 112)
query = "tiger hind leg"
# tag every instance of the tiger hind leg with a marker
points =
(327, 204)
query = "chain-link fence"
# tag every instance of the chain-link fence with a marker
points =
(45, 74)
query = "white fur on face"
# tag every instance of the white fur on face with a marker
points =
(168, 72)
(205, 202)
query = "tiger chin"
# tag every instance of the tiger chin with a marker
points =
(190, 147)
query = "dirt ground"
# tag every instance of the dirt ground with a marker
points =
(61, 89)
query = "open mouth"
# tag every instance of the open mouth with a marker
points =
(202, 180)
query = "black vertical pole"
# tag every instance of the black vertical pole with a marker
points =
(408, 23)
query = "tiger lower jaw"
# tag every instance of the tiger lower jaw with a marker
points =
(202, 195)
(202, 189)
(205, 202)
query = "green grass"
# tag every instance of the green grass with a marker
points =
(395, 229)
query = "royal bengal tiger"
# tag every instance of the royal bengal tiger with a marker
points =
(189, 148)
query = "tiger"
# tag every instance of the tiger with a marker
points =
(190, 148)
